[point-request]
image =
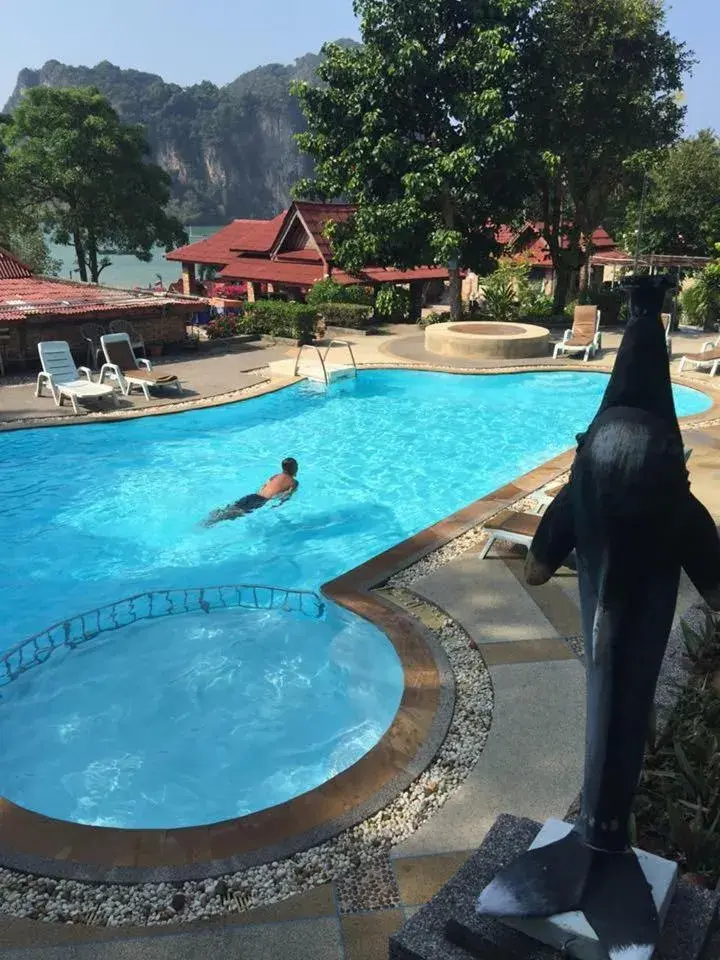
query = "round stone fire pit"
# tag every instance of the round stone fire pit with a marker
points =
(487, 340)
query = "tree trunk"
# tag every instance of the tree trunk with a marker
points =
(562, 286)
(80, 254)
(93, 257)
(455, 292)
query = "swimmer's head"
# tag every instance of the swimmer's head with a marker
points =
(290, 466)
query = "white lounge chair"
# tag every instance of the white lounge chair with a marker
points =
(708, 357)
(128, 370)
(667, 324)
(585, 336)
(62, 376)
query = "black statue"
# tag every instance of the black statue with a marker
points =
(628, 513)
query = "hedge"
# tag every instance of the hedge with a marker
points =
(276, 318)
(351, 315)
(328, 291)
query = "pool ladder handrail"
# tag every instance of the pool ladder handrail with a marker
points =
(323, 357)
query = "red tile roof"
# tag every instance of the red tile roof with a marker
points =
(316, 217)
(11, 268)
(536, 250)
(297, 274)
(240, 236)
(390, 275)
(258, 269)
(28, 296)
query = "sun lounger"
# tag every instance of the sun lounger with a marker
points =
(708, 357)
(516, 527)
(60, 373)
(667, 324)
(128, 370)
(584, 337)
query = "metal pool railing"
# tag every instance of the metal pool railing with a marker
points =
(155, 604)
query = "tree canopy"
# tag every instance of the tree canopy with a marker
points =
(681, 211)
(70, 157)
(20, 232)
(599, 86)
(417, 127)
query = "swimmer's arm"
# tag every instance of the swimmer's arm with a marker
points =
(284, 497)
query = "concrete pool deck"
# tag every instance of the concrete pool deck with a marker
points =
(530, 764)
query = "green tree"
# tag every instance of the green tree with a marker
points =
(599, 86)
(681, 213)
(417, 127)
(71, 157)
(20, 230)
(700, 300)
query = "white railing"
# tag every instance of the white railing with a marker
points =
(155, 604)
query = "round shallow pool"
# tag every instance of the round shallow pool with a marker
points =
(195, 718)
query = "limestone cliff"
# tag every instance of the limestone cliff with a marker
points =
(229, 150)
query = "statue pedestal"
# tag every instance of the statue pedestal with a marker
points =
(571, 931)
(447, 928)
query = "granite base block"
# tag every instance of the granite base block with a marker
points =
(447, 927)
(571, 931)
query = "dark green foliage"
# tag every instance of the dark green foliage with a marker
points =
(700, 302)
(393, 304)
(278, 319)
(328, 291)
(599, 86)
(682, 203)
(20, 231)
(418, 127)
(351, 315)
(677, 810)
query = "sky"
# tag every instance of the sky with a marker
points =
(185, 41)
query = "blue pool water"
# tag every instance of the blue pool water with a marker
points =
(197, 719)
(91, 514)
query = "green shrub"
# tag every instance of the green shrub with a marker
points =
(393, 304)
(276, 318)
(351, 315)
(501, 302)
(328, 291)
(700, 302)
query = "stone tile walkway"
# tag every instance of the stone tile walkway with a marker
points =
(208, 374)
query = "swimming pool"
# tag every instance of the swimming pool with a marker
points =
(95, 513)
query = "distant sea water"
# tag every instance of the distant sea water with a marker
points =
(129, 271)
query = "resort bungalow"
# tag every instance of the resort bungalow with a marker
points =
(530, 245)
(34, 308)
(288, 255)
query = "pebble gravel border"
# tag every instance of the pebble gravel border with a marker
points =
(363, 847)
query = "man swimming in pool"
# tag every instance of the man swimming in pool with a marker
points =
(279, 488)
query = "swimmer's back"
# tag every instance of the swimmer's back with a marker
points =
(278, 486)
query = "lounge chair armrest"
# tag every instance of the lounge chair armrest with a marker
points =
(86, 372)
(144, 363)
(567, 335)
(708, 345)
(111, 369)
